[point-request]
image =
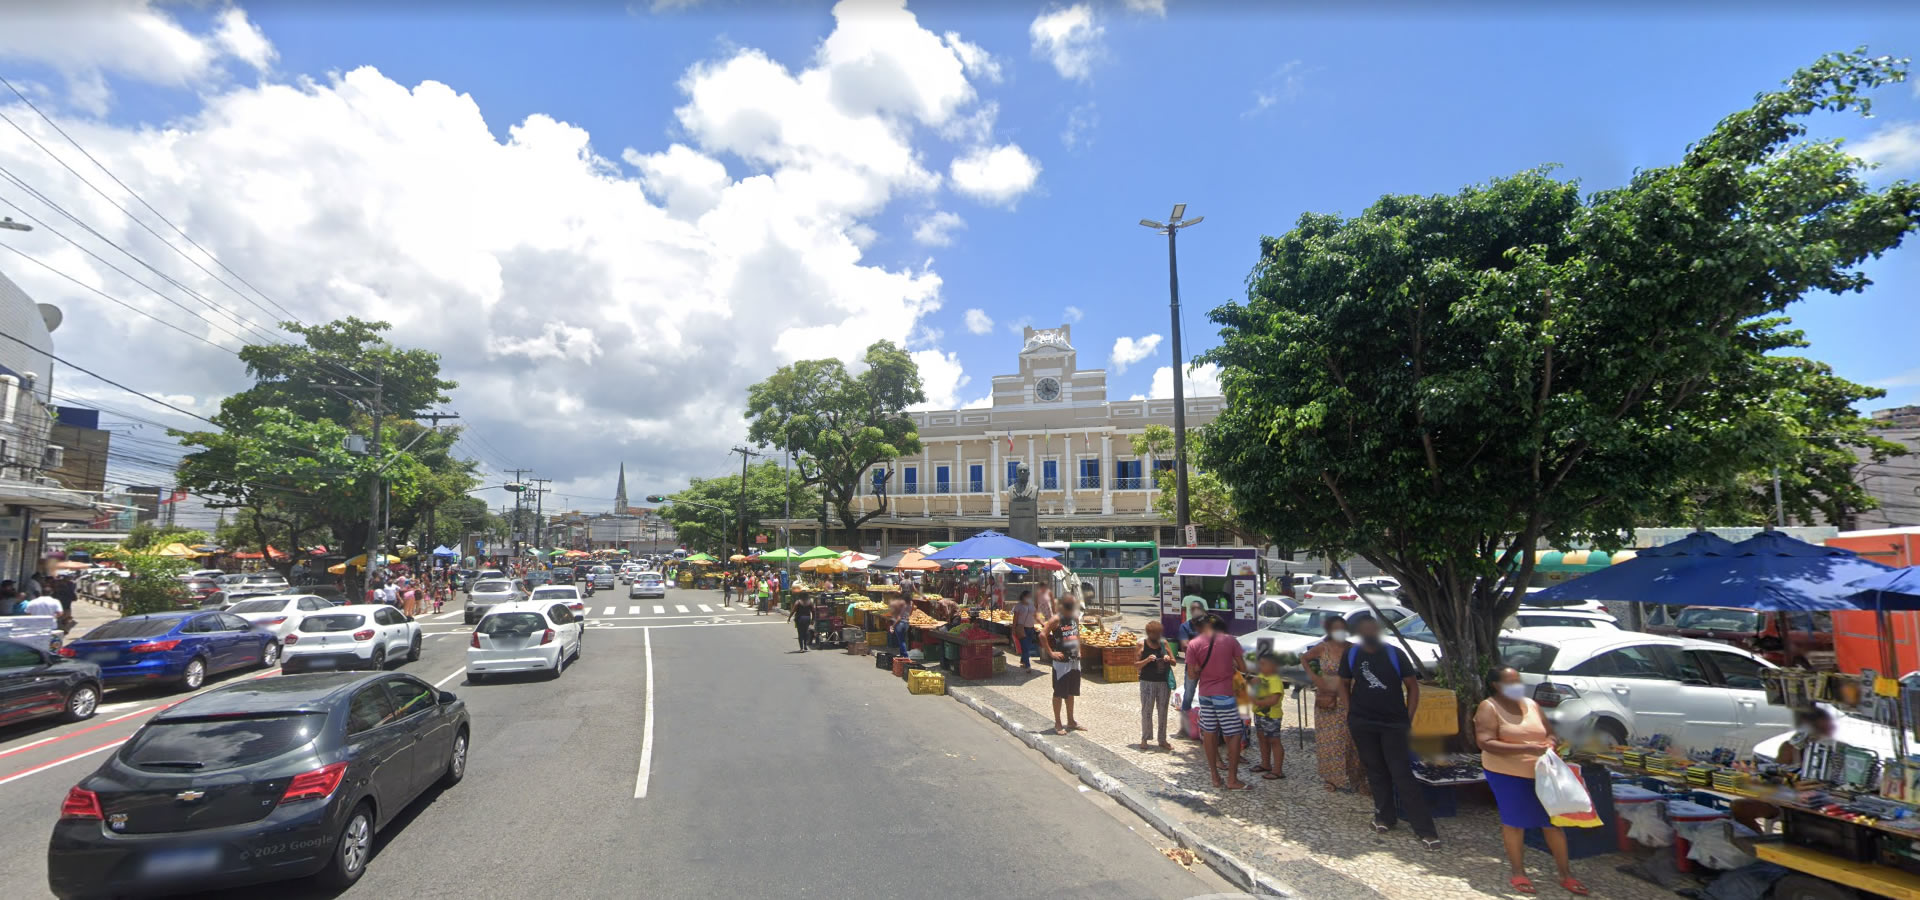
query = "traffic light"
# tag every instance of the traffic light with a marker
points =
(656, 498)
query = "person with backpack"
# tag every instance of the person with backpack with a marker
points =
(1382, 693)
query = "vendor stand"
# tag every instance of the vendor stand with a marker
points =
(1225, 578)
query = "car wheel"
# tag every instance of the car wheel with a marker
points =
(270, 655)
(413, 651)
(350, 852)
(456, 761)
(559, 664)
(82, 702)
(1612, 731)
(195, 675)
(379, 660)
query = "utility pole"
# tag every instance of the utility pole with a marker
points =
(378, 412)
(1172, 229)
(429, 539)
(517, 531)
(539, 509)
(745, 455)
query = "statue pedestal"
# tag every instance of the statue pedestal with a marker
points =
(1023, 519)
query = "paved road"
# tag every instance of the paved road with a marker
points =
(772, 772)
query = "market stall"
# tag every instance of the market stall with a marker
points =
(1226, 579)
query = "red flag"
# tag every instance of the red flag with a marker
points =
(178, 495)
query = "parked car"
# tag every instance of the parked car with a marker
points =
(279, 613)
(270, 580)
(102, 584)
(258, 781)
(1810, 634)
(333, 594)
(358, 636)
(198, 589)
(1620, 684)
(227, 598)
(567, 594)
(523, 637)
(182, 648)
(1270, 609)
(648, 584)
(35, 683)
(38, 631)
(489, 575)
(1305, 625)
(214, 574)
(1531, 617)
(485, 594)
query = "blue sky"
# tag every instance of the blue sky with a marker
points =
(1252, 118)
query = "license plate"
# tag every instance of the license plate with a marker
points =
(103, 657)
(182, 862)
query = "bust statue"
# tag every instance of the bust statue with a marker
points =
(1023, 487)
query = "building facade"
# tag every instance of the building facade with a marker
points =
(1058, 419)
(30, 495)
(1894, 483)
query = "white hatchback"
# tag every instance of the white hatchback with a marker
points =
(279, 614)
(523, 637)
(360, 636)
(563, 593)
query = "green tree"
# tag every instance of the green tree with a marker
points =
(840, 424)
(1441, 383)
(149, 536)
(768, 496)
(153, 583)
(1209, 500)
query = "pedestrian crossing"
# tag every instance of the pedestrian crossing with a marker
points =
(669, 611)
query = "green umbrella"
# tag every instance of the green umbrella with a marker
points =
(816, 553)
(780, 555)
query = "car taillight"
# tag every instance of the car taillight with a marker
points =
(547, 637)
(153, 647)
(315, 785)
(363, 635)
(291, 639)
(1349, 596)
(81, 804)
(275, 620)
(1548, 694)
(475, 643)
(68, 652)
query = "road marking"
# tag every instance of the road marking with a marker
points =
(96, 726)
(460, 671)
(448, 615)
(61, 761)
(610, 610)
(679, 609)
(658, 610)
(705, 608)
(633, 610)
(646, 728)
(697, 623)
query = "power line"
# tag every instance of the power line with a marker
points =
(122, 303)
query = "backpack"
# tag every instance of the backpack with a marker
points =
(1353, 653)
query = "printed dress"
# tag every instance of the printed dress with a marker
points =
(1332, 742)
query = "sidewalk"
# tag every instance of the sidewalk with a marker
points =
(88, 615)
(1314, 842)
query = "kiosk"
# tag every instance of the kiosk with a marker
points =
(1227, 578)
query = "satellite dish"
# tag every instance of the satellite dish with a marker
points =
(51, 315)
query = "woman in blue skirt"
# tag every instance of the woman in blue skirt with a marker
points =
(1513, 734)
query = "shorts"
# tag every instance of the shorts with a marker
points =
(1267, 727)
(1220, 715)
(1066, 679)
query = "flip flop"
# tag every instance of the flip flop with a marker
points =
(1244, 787)
(1059, 730)
(1523, 884)
(1258, 768)
(1270, 776)
(1574, 887)
(1076, 727)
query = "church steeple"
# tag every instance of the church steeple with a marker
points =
(620, 493)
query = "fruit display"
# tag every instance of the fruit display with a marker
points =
(1102, 640)
(1000, 615)
(867, 606)
(921, 620)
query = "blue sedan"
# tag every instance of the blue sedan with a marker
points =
(181, 648)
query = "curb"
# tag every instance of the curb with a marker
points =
(1229, 866)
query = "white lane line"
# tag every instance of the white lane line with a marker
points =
(646, 728)
(658, 610)
(701, 624)
(679, 609)
(456, 673)
(633, 610)
(610, 610)
(705, 608)
(61, 761)
(448, 615)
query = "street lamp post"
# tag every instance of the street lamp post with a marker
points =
(8, 224)
(1172, 230)
(726, 524)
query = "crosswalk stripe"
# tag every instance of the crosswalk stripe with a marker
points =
(633, 610)
(447, 615)
(659, 609)
(705, 608)
(679, 609)
(610, 610)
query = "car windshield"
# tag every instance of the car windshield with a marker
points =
(1330, 587)
(1530, 657)
(1709, 619)
(1414, 628)
(222, 743)
(559, 593)
(332, 622)
(649, 576)
(492, 587)
(1304, 620)
(258, 606)
(123, 629)
(602, 570)
(520, 624)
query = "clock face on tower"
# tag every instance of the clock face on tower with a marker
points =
(1047, 389)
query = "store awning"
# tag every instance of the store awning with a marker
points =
(1202, 567)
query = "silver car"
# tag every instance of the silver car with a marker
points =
(489, 593)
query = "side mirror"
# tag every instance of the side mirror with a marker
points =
(447, 697)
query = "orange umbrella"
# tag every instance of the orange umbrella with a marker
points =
(914, 561)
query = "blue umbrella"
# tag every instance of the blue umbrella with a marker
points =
(1771, 572)
(1629, 581)
(1890, 591)
(990, 545)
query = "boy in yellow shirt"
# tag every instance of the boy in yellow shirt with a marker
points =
(1268, 690)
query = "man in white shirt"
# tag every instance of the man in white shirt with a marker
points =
(45, 605)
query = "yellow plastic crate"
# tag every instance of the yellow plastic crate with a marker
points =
(1120, 674)
(876, 639)
(1439, 713)
(923, 682)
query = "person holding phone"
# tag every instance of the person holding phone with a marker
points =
(1156, 682)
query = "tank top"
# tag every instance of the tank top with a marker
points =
(803, 609)
(1066, 638)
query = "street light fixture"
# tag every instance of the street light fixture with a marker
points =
(9, 224)
(1171, 229)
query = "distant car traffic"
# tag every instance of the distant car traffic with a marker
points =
(258, 781)
(198, 589)
(359, 636)
(647, 584)
(35, 683)
(1305, 625)
(181, 648)
(487, 593)
(523, 637)
(602, 578)
(562, 594)
(279, 613)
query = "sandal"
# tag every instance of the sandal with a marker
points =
(1574, 887)
(1523, 884)
(1432, 844)
(1059, 729)
(1379, 827)
(1258, 768)
(1272, 776)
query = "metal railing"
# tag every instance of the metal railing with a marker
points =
(976, 487)
(1089, 482)
(911, 487)
(1129, 484)
(1050, 483)
(942, 487)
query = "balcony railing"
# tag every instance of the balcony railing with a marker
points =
(1089, 482)
(1129, 484)
(942, 487)
(976, 487)
(910, 488)
(1050, 483)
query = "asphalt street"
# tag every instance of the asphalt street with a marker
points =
(765, 771)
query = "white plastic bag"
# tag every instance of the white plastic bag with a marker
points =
(1559, 787)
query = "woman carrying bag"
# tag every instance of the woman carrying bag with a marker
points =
(1513, 735)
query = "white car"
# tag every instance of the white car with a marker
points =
(214, 574)
(647, 584)
(489, 593)
(1555, 617)
(279, 613)
(601, 578)
(1847, 729)
(1297, 631)
(562, 593)
(523, 637)
(1622, 684)
(359, 636)
(1270, 609)
(264, 580)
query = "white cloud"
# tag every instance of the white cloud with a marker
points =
(936, 229)
(1081, 120)
(1202, 381)
(130, 38)
(1070, 38)
(545, 273)
(1895, 147)
(942, 377)
(983, 402)
(973, 128)
(978, 322)
(1152, 7)
(1127, 351)
(1285, 84)
(1072, 314)
(998, 175)
(977, 61)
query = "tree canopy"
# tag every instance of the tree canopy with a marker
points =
(1441, 383)
(840, 424)
(1209, 500)
(767, 498)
